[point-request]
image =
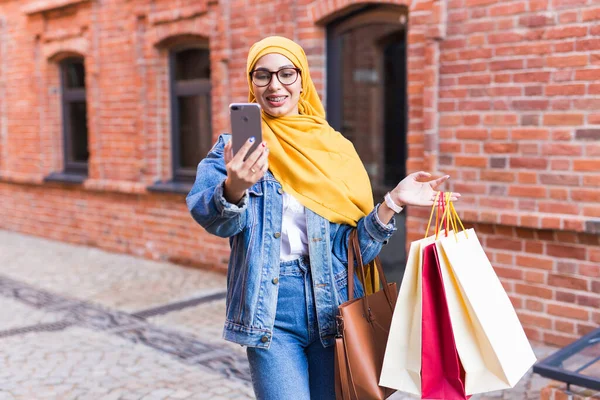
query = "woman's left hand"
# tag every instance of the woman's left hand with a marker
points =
(411, 192)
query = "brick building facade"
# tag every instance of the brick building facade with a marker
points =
(95, 99)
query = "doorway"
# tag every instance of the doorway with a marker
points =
(367, 102)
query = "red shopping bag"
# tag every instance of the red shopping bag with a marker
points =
(442, 375)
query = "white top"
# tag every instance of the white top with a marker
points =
(294, 241)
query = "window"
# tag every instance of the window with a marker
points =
(190, 110)
(367, 101)
(75, 130)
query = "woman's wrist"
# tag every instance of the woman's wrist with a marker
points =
(385, 214)
(232, 196)
(391, 204)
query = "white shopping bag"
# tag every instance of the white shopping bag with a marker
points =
(402, 362)
(491, 344)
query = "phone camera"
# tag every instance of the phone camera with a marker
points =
(235, 108)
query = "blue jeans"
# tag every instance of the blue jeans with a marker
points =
(296, 366)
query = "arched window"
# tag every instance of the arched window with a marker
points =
(367, 89)
(190, 109)
(367, 101)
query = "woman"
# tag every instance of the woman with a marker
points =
(288, 211)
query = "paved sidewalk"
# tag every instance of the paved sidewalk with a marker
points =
(81, 323)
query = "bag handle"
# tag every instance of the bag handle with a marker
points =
(434, 208)
(352, 254)
(440, 220)
(446, 217)
(350, 269)
(454, 218)
(354, 251)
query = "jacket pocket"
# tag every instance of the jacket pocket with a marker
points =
(256, 190)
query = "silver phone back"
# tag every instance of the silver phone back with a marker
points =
(246, 122)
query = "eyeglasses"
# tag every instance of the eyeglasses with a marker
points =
(286, 76)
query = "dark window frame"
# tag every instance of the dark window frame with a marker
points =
(71, 95)
(193, 87)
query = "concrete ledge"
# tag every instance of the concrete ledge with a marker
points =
(535, 220)
(177, 13)
(108, 185)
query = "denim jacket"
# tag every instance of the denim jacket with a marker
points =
(253, 227)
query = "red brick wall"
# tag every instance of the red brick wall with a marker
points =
(520, 111)
(551, 277)
(519, 131)
(502, 97)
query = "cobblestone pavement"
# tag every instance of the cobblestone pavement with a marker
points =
(81, 323)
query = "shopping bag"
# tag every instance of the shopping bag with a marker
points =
(401, 368)
(442, 376)
(402, 360)
(493, 348)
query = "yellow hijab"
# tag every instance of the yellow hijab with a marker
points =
(312, 161)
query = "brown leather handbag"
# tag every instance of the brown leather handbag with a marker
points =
(363, 326)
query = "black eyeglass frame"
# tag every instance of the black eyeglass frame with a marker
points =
(276, 73)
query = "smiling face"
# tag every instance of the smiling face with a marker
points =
(277, 99)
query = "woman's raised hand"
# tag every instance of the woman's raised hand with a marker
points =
(412, 192)
(241, 174)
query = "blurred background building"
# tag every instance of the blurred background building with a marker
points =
(106, 107)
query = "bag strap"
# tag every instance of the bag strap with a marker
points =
(379, 266)
(356, 245)
(343, 389)
(352, 255)
(354, 251)
(350, 268)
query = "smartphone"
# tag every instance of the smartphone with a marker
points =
(246, 121)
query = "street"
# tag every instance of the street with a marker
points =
(81, 323)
